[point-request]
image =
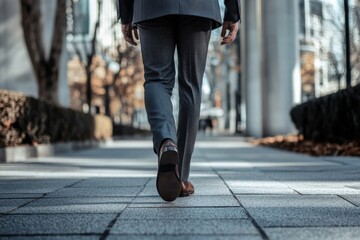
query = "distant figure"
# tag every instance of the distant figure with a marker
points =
(206, 124)
(164, 26)
(209, 124)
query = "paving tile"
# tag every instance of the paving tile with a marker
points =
(262, 190)
(216, 190)
(49, 237)
(33, 186)
(185, 237)
(222, 164)
(325, 190)
(320, 176)
(323, 187)
(265, 183)
(20, 195)
(316, 233)
(96, 192)
(354, 199)
(149, 191)
(312, 167)
(230, 172)
(184, 213)
(192, 201)
(75, 205)
(7, 205)
(183, 226)
(207, 181)
(54, 224)
(35, 183)
(27, 190)
(112, 182)
(300, 210)
(234, 178)
(249, 183)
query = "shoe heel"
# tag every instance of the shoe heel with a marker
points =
(168, 183)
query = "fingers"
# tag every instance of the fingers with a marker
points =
(231, 36)
(127, 30)
(136, 33)
(223, 30)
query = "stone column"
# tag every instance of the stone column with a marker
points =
(270, 64)
(251, 66)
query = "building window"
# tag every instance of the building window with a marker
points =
(78, 17)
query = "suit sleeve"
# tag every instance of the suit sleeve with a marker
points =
(232, 10)
(125, 11)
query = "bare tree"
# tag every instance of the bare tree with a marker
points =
(87, 55)
(124, 82)
(46, 68)
(336, 60)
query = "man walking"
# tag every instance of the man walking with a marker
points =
(166, 25)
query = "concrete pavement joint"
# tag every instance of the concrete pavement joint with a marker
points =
(23, 205)
(35, 199)
(256, 225)
(106, 233)
(109, 227)
(296, 191)
(347, 200)
(73, 184)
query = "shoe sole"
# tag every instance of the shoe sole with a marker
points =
(186, 194)
(168, 183)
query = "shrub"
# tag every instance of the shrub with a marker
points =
(26, 120)
(332, 118)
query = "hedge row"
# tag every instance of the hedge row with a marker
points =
(26, 120)
(332, 118)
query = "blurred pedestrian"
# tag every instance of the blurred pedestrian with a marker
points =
(184, 25)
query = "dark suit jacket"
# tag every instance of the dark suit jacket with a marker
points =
(135, 11)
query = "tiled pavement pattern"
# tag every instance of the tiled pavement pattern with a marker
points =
(242, 192)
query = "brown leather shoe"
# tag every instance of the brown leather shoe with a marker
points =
(186, 189)
(168, 183)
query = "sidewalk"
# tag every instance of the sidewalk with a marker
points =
(242, 192)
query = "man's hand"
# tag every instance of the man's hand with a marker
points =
(233, 28)
(128, 30)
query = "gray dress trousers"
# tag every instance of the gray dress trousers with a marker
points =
(159, 38)
(166, 25)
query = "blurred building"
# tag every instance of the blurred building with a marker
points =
(291, 51)
(322, 45)
(317, 39)
(15, 66)
(116, 69)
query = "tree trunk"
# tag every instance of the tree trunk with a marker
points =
(46, 68)
(48, 89)
(88, 86)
